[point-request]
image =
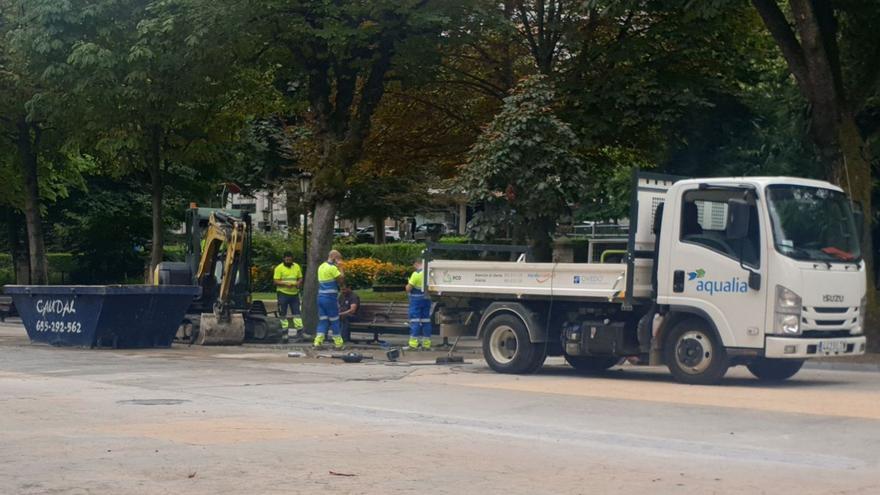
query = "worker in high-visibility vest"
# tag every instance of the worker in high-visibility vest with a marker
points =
(419, 309)
(330, 281)
(288, 280)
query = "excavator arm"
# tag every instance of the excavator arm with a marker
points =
(222, 326)
(223, 231)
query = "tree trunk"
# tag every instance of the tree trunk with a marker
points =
(379, 227)
(541, 239)
(293, 207)
(155, 168)
(270, 210)
(855, 172)
(39, 270)
(319, 246)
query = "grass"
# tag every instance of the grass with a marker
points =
(366, 295)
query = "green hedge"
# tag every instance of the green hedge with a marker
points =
(397, 253)
(393, 275)
(454, 239)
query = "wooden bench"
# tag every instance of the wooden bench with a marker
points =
(7, 308)
(378, 318)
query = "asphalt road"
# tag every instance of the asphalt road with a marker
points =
(246, 420)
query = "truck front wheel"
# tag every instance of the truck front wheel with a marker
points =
(507, 348)
(694, 354)
(775, 370)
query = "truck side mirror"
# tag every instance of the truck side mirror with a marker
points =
(754, 280)
(737, 218)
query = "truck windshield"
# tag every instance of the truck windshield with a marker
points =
(813, 224)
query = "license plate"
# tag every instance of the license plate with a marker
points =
(832, 346)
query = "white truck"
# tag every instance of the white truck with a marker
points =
(758, 271)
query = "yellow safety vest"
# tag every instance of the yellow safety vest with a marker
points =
(285, 274)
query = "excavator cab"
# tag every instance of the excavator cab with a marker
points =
(218, 247)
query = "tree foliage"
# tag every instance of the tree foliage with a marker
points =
(525, 167)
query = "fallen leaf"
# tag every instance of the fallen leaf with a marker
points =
(192, 475)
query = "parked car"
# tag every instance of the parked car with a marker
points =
(341, 234)
(429, 232)
(368, 234)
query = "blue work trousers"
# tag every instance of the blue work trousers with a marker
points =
(419, 317)
(328, 314)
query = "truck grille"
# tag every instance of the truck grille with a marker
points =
(829, 321)
(829, 310)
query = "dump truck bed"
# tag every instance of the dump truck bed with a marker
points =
(596, 281)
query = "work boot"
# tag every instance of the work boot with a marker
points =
(338, 342)
(319, 340)
(426, 344)
(413, 343)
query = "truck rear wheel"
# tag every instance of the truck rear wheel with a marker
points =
(507, 348)
(775, 370)
(694, 354)
(591, 364)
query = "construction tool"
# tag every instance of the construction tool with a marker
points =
(393, 354)
(449, 358)
(348, 357)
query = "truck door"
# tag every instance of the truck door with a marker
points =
(708, 272)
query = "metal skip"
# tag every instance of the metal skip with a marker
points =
(118, 316)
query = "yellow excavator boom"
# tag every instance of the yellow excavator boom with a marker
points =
(222, 326)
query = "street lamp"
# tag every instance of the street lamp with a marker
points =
(305, 186)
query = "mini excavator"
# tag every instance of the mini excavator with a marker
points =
(218, 251)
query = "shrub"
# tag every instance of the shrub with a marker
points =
(268, 248)
(361, 272)
(175, 252)
(389, 274)
(261, 278)
(61, 262)
(6, 276)
(454, 239)
(398, 253)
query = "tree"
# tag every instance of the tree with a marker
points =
(525, 166)
(156, 98)
(336, 56)
(31, 118)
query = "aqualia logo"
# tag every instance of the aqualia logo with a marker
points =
(712, 287)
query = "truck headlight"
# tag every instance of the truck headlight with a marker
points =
(788, 312)
(863, 313)
(788, 324)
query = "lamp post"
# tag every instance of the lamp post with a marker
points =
(305, 186)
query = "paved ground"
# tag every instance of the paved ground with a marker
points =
(251, 420)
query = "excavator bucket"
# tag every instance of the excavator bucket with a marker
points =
(214, 331)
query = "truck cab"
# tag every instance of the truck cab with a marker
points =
(772, 264)
(764, 272)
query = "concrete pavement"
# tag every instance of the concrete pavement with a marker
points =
(251, 420)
